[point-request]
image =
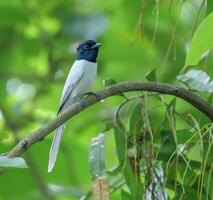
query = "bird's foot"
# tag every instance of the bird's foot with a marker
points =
(91, 94)
(80, 100)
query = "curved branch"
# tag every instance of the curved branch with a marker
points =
(76, 108)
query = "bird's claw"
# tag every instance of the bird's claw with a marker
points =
(91, 94)
(80, 100)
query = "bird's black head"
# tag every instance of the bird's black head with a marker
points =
(88, 50)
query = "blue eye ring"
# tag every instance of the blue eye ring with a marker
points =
(86, 46)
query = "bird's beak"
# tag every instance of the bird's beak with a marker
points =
(96, 46)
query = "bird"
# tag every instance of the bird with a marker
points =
(79, 82)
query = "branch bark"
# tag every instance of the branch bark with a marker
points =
(76, 108)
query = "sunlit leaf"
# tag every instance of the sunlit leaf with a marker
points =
(197, 80)
(201, 42)
(12, 162)
(195, 153)
(151, 75)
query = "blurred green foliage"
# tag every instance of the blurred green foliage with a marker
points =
(37, 48)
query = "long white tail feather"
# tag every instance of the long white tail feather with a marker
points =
(55, 147)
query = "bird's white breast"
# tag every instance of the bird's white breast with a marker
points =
(89, 70)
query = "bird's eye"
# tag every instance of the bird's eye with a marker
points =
(86, 46)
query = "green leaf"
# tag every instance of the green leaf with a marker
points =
(168, 145)
(195, 153)
(114, 170)
(126, 195)
(197, 80)
(3, 135)
(201, 42)
(136, 123)
(171, 117)
(172, 104)
(109, 126)
(210, 99)
(194, 121)
(151, 75)
(109, 82)
(12, 162)
(57, 190)
(132, 180)
(208, 184)
(97, 156)
(120, 140)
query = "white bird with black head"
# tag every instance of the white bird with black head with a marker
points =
(79, 82)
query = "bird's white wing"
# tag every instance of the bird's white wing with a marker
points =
(75, 75)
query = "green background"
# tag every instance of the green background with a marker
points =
(37, 48)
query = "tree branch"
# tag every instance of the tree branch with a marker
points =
(76, 108)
